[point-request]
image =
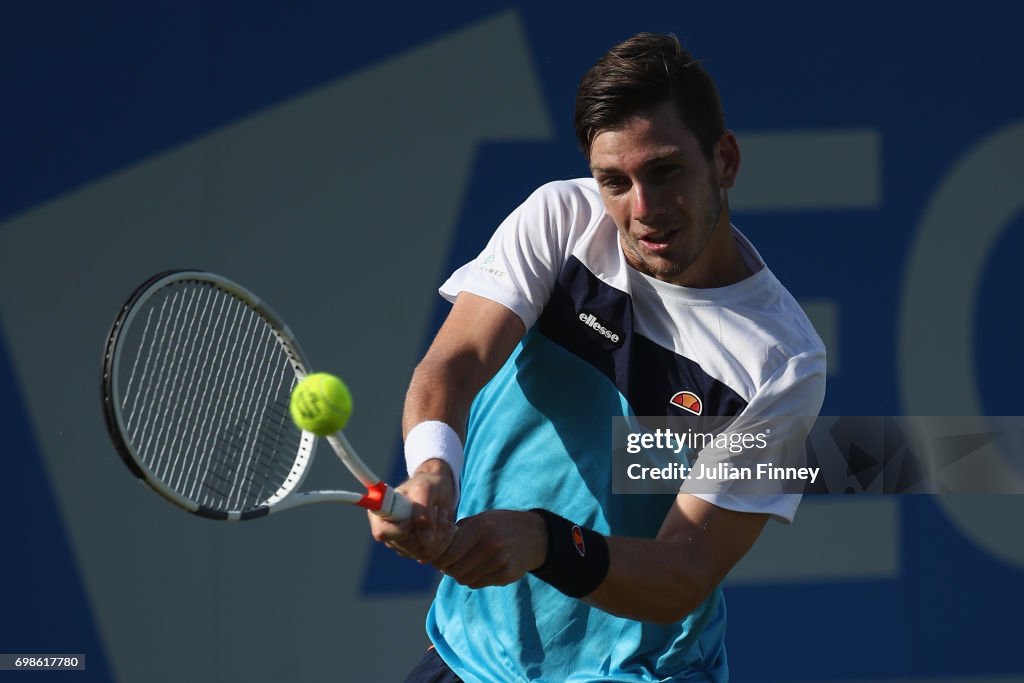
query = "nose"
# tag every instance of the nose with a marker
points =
(646, 202)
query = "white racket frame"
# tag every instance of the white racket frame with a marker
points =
(380, 498)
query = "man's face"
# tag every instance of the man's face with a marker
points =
(665, 196)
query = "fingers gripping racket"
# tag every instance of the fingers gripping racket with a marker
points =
(197, 377)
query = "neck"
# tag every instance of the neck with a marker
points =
(720, 263)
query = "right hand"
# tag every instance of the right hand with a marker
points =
(430, 529)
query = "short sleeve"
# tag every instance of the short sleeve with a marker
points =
(520, 264)
(785, 407)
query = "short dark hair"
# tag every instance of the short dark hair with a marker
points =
(638, 75)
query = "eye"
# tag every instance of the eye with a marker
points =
(614, 184)
(664, 172)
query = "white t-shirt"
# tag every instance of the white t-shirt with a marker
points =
(744, 350)
(602, 341)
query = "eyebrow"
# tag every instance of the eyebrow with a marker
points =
(650, 161)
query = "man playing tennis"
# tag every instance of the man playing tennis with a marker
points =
(597, 297)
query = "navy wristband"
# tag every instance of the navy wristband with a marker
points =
(577, 558)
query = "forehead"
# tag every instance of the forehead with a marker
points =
(642, 139)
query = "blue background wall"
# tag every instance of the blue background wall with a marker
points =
(92, 90)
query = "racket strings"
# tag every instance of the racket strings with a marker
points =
(205, 398)
(228, 476)
(198, 438)
(176, 379)
(259, 374)
(233, 450)
(210, 366)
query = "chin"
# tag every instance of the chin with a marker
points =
(662, 269)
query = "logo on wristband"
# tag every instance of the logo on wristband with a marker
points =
(577, 539)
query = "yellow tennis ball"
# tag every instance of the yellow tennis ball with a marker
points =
(321, 403)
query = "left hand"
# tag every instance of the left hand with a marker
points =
(495, 548)
(428, 531)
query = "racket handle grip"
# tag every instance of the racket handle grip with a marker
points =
(394, 506)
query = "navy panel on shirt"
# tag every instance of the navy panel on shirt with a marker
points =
(595, 322)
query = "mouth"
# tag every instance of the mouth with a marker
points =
(657, 241)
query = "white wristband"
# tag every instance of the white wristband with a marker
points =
(434, 440)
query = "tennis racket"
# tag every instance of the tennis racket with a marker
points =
(197, 377)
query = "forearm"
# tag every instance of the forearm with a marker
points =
(434, 421)
(439, 390)
(661, 579)
(643, 579)
(651, 580)
(637, 578)
(475, 340)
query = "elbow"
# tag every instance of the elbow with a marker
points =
(667, 617)
(686, 597)
(672, 614)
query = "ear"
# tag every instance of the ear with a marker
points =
(727, 159)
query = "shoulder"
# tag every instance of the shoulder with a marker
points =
(790, 355)
(583, 188)
(785, 320)
(563, 213)
(576, 197)
(776, 321)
